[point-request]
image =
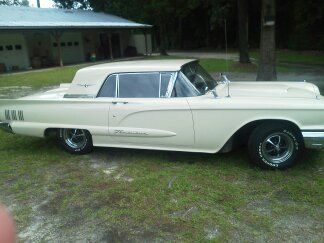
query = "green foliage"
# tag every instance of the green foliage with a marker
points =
(72, 4)
(199, 23)
(15, 2)
(307, 29)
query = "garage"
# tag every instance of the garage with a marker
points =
(39, 38)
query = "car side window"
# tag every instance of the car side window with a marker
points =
(139, 85)
(183, 89)
(109, 87)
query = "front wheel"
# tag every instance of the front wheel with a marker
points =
(75, 141)
(275, 146)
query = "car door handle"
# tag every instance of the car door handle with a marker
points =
(119, 102)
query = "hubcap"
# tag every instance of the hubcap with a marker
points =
(75, 138)
(277, 148)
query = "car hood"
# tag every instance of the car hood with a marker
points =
(269, 89)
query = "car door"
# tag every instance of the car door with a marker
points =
(140, 114)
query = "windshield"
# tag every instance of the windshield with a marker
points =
(199, 77)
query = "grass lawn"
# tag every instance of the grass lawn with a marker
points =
(121, 194)
(40, 78)
(55, 76)
(295, 57)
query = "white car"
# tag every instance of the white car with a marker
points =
(173, 105)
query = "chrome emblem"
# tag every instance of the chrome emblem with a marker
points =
(85, 85)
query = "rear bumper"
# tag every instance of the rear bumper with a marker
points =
(314, 139)
(6, 127)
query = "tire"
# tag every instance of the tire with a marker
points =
(275, 145)
(75, 141)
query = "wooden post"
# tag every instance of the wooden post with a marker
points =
(110, 46)
(59, 47)
(145, 36)
(57, 36)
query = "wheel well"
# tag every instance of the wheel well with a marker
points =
(241, 136)
(50, 131)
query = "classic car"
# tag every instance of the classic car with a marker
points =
(173, 105)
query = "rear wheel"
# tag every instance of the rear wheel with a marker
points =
(275, 145)
(75, 141)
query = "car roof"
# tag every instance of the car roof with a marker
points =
(141, 65)
(89, 80)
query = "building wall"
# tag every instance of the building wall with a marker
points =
(13, 51)
(138, 40)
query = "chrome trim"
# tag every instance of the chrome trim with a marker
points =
(78, 96)
(160, 81)
(171, 85)
(21, 115)
(5, 126)
(313, 139)
(14, 115)
(117, 86)
(7, 115)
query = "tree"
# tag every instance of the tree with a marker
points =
(72, 4)
(267, 65)
(242, 9)
(182, 10)
(15, 2)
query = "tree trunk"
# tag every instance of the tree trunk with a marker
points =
(243, 30)
(267, 65)
(162, 40)
(180, 33)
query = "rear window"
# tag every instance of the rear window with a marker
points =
(109, 87)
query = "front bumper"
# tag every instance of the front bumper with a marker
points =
(5, 126)
(313, 139)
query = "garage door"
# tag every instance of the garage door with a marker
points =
(72, 48)
(13, 51)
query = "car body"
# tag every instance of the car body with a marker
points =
(166, 105)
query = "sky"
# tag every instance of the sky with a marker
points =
(43, 3)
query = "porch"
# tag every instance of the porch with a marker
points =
(33, 49)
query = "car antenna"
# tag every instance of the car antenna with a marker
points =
(227, 81)
(226, 63)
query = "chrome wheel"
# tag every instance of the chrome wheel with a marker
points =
(277, 148)
(75, 138)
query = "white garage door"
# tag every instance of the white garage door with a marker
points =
(72, 48)
(13, 51)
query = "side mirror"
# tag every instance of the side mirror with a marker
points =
(214, 93)
(225, 79)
